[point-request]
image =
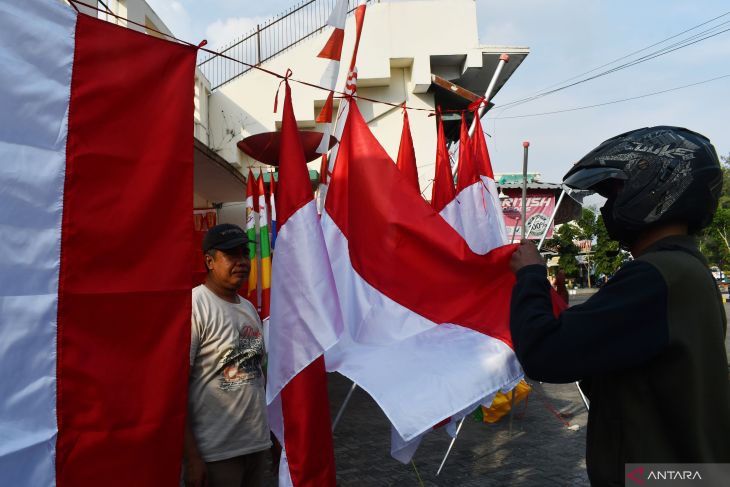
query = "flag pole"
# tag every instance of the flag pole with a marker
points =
(503, 59)
(526, 147)
(342, 408)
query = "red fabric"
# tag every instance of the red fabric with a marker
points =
(359, 20)
(403, 248)
(480, 153)
(124, 288)
(202, 221)
(443, 184)
(333, 49)
(304, 400)
(323, 170)
(252, 189)
(325, 115)
(466, 172)
(407, 155)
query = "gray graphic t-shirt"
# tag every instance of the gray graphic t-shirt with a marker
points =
(227, 402)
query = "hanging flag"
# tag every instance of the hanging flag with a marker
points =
(396, 263)
(305, 321)
(96, 187)
(483, 164)
(350, 89)
(466, 173)
(272, 207)
(251, 221)
(331, 52)
(443, 191)
(406, 161)
(265, 249)
(473, 213)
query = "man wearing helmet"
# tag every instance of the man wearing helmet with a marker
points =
(649, 345)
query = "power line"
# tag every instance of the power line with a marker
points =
(634, 52)
(688, 41)
(613, 101)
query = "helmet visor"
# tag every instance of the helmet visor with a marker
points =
(589, 177)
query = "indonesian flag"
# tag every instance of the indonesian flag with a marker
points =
(480, 157)
(252, 214)
(350, 89)
(426, 318)
(305, 321)
(96, 189)
(331, 53)
(472, 212)
(406, 161)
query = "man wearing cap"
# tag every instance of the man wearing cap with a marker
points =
(649, 344)
(227, 432)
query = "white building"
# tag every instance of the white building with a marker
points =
(424, 53)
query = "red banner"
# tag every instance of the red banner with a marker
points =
(540, 207)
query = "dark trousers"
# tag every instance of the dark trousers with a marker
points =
(242, 471)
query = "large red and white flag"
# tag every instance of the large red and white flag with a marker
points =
(305, 322)
(473, 212)
(426, 319)
(96, 187)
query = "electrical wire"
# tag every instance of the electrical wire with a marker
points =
(645, 95)
(686, 42)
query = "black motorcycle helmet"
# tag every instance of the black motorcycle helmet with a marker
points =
(667, 174)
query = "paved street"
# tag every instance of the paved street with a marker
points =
(545, 447)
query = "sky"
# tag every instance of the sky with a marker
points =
(566, 38)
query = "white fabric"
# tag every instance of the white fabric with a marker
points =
(475, 217)
(36, 54)
(305, 313)
(496, 207)
(329, 75)
(417, 371)
(338, 17)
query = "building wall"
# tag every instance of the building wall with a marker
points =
(394, 64)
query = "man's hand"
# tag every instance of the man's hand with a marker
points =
(195, 472)
(526, 254)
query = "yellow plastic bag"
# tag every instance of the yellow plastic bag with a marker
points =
(503, 403)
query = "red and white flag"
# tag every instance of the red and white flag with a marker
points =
(483, 164)
(96, 188)
(350, 89)
(473, 212)
(426, 319)
(331, 53)
(305, 322)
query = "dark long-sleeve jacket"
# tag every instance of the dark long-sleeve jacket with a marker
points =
(650, 349)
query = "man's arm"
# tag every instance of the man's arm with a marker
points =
(621, 326)
(195, 470)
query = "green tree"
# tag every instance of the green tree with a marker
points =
(607, 256)
(714, 240)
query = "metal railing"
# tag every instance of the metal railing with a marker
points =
(269, 39)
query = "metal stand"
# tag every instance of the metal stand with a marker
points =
(344, 405)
